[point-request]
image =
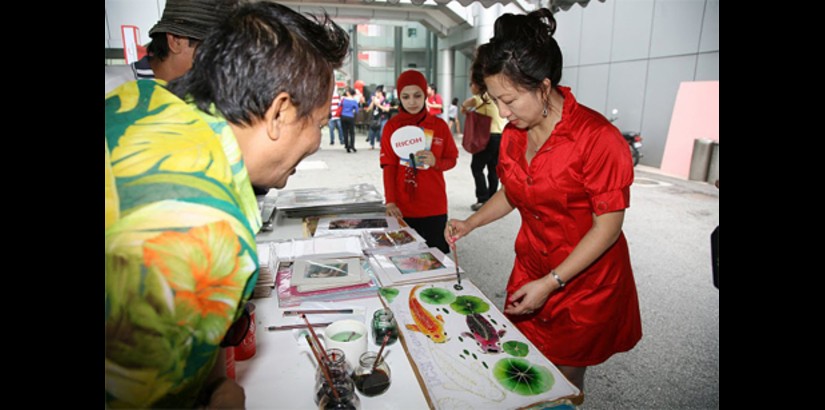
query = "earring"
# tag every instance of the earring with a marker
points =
(544, 113)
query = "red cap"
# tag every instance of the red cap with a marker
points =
(411, 77)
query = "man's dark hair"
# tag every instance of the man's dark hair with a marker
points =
(435, 89)
(159, 46)
(522, 49)
(259, 51)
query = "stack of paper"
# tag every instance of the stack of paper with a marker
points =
(320, 201)
(319, 248)
(266, 276)
(416, 266)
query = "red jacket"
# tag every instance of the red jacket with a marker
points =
(429, 198)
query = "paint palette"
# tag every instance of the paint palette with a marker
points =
(468, 354)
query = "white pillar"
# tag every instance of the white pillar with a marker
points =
(445, 80)
(487, 20)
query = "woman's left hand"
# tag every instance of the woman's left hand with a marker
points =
(425, 157)
(530, 298)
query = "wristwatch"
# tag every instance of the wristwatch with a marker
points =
(562, 283)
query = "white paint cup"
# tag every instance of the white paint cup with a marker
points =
(339, 335)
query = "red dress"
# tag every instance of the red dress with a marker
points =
(583, 168)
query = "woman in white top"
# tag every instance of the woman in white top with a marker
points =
(453, 116)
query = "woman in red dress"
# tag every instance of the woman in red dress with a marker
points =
(567, 171)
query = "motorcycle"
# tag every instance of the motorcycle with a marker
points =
(633, 138)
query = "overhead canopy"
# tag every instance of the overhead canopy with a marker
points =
(440, 16)
(554, 5)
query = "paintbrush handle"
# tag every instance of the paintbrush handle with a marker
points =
(315, 337)
(316, 311)
(296, 326)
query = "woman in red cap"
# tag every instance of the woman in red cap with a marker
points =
(415, 194)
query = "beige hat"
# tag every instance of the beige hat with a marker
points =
(192, 18)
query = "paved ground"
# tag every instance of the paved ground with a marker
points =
(668, 226)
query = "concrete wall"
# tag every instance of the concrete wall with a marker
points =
(633, 55)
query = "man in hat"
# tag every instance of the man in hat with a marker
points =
(174, 38)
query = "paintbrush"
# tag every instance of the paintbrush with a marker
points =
(316, 311)
(315, 337)
(381, 350)
(295, 326)
(457, 286)
(323, 366)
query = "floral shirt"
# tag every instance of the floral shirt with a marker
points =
(181, 259)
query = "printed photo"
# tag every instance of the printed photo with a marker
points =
(394, 238)
(421, 262)
(321, 270)
(358, 224)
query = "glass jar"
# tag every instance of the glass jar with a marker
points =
(339, 371)
(372, 378)
(346, 400)
(383, 323)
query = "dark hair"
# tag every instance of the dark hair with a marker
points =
(159, 46)
(259, 51)
(455, 101)
(522, 49)
(435, 89)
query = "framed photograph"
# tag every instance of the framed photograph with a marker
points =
(356, 223)
(326, 271)
(413, 266)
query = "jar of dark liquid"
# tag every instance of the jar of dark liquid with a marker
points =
(383, 323)
(372, 381)
(346, 399)
(339, 371)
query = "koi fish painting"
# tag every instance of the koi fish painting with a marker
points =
(484, 333)
(488, 362)
(425, 322)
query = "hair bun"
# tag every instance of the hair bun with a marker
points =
(545, 18)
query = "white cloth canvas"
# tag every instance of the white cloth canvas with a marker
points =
(502, 371)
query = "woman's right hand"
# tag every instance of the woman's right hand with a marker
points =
(456, 230)
(392, 210)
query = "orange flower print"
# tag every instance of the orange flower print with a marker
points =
(203, 268)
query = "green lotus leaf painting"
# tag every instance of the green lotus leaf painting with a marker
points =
(389, 294)
(437, 296)
(515, 348)
(467, 305)
(522, 377)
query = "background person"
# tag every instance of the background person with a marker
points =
(379, 109)
(568, 172)
(335, 119)
(180, 214)
(453, 115)
(183, 25)
(435, 105)
(418, 196)
(488, 157)
(349, 106)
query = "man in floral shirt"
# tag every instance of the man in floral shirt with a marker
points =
(181, 216)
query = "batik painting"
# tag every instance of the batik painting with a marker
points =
(468, 354)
